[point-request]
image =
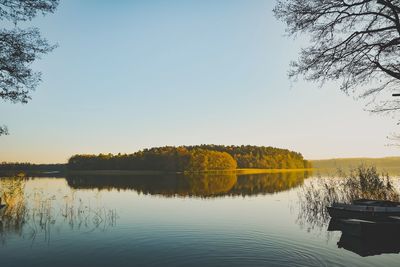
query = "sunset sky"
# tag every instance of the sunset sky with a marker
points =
(129, 75)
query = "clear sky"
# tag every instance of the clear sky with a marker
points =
(134, 74)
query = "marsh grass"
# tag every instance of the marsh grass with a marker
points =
(12, 217)
(39, 214)
(362, 182)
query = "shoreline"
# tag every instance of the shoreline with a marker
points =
(241, 171)
(143, 172)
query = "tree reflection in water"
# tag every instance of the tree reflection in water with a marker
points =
(196, 185)
(33, 214)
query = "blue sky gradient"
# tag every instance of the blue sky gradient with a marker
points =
(134, 74)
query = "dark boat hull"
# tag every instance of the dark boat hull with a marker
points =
(362, 228)
(339, 213)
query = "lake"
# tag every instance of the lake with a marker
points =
(170, 220)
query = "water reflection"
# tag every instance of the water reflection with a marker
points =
(367, 239)
(102, 221)
(33, 213)
(200, 185)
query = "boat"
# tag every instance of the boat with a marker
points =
(365, 209)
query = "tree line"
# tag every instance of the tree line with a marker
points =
(193, 159)
(170, 159)
(29, 168)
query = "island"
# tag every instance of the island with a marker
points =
(244, 159)
(189, 159)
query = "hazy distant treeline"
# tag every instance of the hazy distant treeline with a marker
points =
(192, 159)
(386, 163)
(13, 167)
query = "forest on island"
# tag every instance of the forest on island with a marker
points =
(193, 159)
(260, 157)
(169, 159)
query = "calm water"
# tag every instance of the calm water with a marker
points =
(249, 220)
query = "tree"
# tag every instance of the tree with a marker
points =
(3, 130)
(355, 42)
(19, 48)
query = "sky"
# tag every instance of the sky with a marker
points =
(129, 75)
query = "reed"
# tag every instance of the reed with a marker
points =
(361, 182)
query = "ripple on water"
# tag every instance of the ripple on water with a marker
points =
(179, 246)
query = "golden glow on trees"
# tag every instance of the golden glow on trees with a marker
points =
(193, 159)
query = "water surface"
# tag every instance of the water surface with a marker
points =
(249, 220)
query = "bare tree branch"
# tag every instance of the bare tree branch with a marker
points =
(3, 130)
(355, 42)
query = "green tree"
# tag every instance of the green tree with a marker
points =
(193, 159)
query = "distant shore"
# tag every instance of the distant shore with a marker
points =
(63, 172)
(135, 172)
